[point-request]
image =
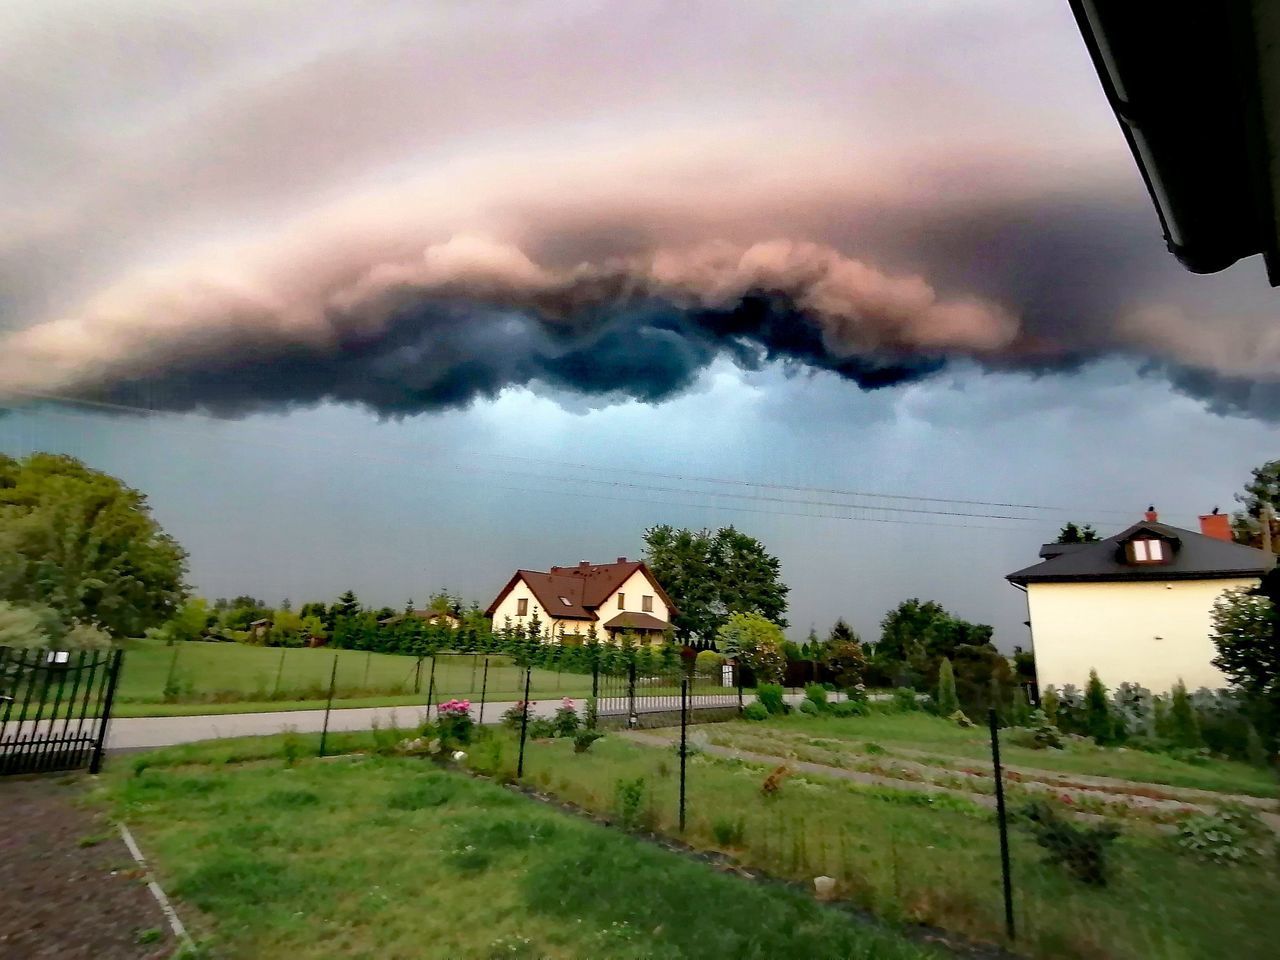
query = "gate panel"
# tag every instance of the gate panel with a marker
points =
(54, 708)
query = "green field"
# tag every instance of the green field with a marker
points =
(234, 677)
(922, 732)
(929, 858)
(395, 858)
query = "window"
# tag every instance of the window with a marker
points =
(646, 604)
(566, 601)
(1146, 551)
(522, 607)
(622, 601)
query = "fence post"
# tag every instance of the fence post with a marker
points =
(484, 688)
(105, 716)
(368, 659)
(993, 725)
(524, 720)
(684, 741)
(431, 685)
(737, 675)
(333, 679)
(595, 677)
(275, 691)
(632, 719)
(417, 678)
(475, 659)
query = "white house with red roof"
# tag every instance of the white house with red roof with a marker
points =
(614, 598)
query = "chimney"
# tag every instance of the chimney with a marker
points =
(622, 559)
(1216, 525)
(1152, 516)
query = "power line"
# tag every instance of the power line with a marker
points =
(686, 478)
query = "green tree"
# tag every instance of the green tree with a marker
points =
(190, 622)
(33, 626)
(845, 658)
(1098, 720)
(1262, 490)
(710, 576)
(1184, 729)
(1246, 632)
(1084, 533)
(83, 543)
(756, 642)
(347, 606)
(948, 703)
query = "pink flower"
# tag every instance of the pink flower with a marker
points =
(567, 703)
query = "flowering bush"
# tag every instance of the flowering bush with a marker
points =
(566, 719)
(512, 716)
(454, 723)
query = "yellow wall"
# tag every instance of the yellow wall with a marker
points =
(1149, 633)
(636, 586)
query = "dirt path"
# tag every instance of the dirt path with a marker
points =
(68, 885)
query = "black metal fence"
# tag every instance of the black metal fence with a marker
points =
(653, 697)
(54, 707)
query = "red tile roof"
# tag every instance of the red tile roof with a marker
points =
(586, 586)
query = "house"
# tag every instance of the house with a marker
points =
(258, 629)
(1135, 606)
(443, 618)
(614, 598)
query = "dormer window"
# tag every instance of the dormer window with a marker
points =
(1147, 551)
(566, 601)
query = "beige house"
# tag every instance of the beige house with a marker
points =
(1135, 606)
(611, 597)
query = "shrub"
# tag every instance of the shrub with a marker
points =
(728, 833)
(1081, 850)
(629, 802)
(844, 657)
(1184, 731)
(708, 663)
(960, 720)
(592, 719)
(1229, 835)
(947, 701)
(584, 738)
(541, 728)
(291, 746)
(1049, 704)
(816, 694)
(1098, 721)
(809, 707)
(454, 724)
(385, 742)
(904, 700)
(511, 717)
(756, 642)
(755, 711)
(849, 708)
(769, 695)
(566, 719)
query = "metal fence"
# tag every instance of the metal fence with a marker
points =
(54, 707)
(650, 697)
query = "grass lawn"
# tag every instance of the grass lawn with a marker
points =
(907, 856)
(235, 677)
(395, 858)
(940, 738)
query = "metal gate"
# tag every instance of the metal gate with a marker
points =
(54, 707)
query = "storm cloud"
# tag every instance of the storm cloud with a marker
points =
(427, 207)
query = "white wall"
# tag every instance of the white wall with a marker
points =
(1149, 633)
(633, 588)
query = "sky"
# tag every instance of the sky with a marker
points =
(413, 298)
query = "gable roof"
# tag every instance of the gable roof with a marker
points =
(1193, 556)
(586, 586)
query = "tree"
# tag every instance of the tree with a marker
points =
(1184, 729)
(1262, 490)
(83, 543)
(926, 631)
(755, 642)
(33, 626)
(1084, 533)
(1246, 632)
(347, 605)
(948, 703)
(710, 576)
(844, 657)
(190, 622)
(1098, 721)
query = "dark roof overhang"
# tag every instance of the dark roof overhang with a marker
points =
(1196, 88)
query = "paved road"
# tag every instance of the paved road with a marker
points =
(131, 733)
